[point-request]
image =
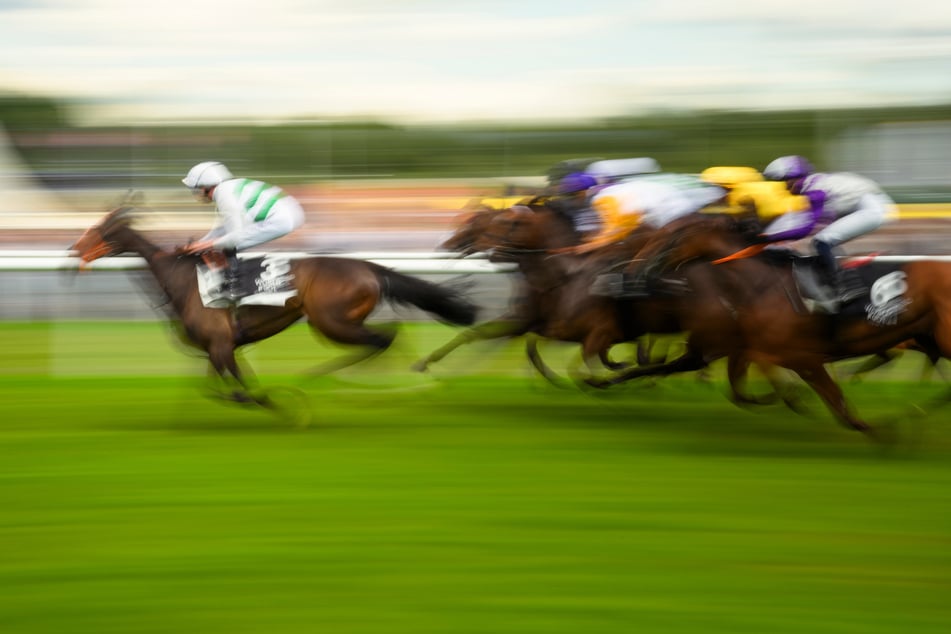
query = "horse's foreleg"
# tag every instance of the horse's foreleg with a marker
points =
(738, 366)
(221, 356)
(819, 380)
(495, 329)
(594, 352)
(737, 373)
(690, 361)
(645, 346)
(534, 356)
(874, 362)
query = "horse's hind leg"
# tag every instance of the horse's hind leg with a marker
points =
(371, 341)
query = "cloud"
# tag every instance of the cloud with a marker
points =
(466, 59)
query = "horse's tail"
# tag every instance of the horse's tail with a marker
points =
(443, 301)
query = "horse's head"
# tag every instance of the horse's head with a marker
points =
(99, 241)
(468, 227)
(511, 233)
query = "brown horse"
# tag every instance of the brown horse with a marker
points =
(335, 295)
(912, 301)
(557, 302)
(472, 227)
(524, 235)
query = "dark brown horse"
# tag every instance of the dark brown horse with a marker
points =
(557, 302)
(472, 227)
(335, 295)
(524, 235)
(912, 302)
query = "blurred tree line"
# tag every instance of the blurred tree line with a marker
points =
(64, 154)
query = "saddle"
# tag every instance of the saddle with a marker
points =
(875, 290)
(620, 285)
(259, 281)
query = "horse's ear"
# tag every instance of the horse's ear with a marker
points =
(129, 198)
(135, 198)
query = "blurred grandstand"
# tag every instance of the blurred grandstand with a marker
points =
(378, 187)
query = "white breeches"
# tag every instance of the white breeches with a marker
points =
(874, 211)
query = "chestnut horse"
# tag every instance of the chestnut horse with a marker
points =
(909, 302)
(335, 295)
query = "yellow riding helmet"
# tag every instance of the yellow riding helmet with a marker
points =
(730, 176)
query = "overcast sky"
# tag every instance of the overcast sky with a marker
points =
(449, 60)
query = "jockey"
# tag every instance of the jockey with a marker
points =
(605, 171)
(251, 212)
(842, 207)
(609, 171)
(752, 197)
(572, 201)
(654, 200)
(574, 190)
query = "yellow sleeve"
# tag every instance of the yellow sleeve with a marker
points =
(614, 224)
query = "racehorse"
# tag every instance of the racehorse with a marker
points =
(335, 295)
(473, 226)
(910, 301)
(557, 302)
(524, 235)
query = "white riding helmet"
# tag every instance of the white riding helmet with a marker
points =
(207, 174)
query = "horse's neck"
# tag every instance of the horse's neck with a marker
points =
(162, 264)
(563, 234)
(132, 241)
(558, 230)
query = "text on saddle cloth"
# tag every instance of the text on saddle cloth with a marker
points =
(262, 280)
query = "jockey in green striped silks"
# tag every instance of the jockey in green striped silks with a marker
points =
(251, 212)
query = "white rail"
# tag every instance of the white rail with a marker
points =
(414, 262)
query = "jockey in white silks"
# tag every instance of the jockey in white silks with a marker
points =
(654, 200)
(251, 212)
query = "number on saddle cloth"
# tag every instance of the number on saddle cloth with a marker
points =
(883, 288)
(261, 280)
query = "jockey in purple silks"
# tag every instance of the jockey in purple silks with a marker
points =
(842, 207)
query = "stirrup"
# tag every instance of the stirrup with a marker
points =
(825, 300)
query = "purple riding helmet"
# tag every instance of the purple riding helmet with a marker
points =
(793, 169)
(576, 182)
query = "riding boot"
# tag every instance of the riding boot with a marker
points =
(232, 286)
(828, 277)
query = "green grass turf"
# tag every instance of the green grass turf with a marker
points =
(475, 499)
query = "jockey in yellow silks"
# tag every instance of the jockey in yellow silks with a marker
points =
(750, 194)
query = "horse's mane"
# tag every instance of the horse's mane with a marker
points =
(120, 217)
(747, 230)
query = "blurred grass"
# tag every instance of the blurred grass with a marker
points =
(475, 499)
